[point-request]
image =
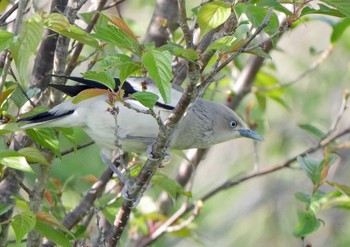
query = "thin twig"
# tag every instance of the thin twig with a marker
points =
(81, 146)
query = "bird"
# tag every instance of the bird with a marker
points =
(205, 123)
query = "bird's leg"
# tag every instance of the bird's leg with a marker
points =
(107, 159)
(150, 156)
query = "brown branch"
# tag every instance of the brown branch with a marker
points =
(8, 14)
(164, 21)
(73, 217)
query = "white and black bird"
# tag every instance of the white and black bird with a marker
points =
(206, 123)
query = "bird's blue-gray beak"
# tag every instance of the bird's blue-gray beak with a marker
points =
(250, 134)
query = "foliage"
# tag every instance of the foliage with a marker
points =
(239, 30)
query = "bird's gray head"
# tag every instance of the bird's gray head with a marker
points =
(228, 125)
(207, 123)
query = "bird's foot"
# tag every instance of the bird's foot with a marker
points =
(165, 160)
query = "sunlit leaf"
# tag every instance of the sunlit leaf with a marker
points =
(46, 138)
(212, 15)
(33, 155)
(158, 64)
(14, 160)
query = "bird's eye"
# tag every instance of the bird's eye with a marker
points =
(233, 124)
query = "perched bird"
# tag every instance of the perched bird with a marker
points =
(206, 123)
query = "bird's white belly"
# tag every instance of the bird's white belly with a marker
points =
(100, 125)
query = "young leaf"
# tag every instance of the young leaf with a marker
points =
(46, 138)
(212, 15)
(307, 223)
(33, 155)
(312, 167)
(147, 99)
(14, 160)
(123, 26)
(102, 77)
(22, 224)
(158, 65)
(89, 93)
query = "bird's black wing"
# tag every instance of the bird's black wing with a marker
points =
(44, 116)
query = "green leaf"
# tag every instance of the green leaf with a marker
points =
(312, 129)
(61, 25)
(52, 234)
(114, 61)
(259, 52)
(158, 65)
(339, 29)
(303, 197)
(5, 207)
(147, 99)
(22, 224)
(33, 155)
(179, 51)
(14, 160)
(275, 5)
(25, 44)
(312, 167)
(5, 38)
(307, 223)
(46, 138)
(222, 44)
(112, 35)
(342, 5)
(321, 10)
(102, 77)
(8, 128)
(256, 16)
(171, 186)
(212, 15)
(128, 69)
